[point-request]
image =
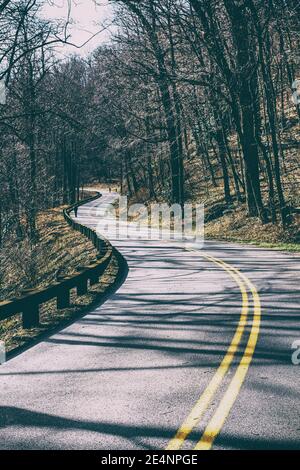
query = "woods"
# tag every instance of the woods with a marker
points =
(39, 166)
(190, 98)
(149, 227)
(239, 61)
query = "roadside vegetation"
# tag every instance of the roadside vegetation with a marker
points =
(190, 101)
(60, 251)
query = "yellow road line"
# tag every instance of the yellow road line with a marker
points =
(205, 399)
(217, 421)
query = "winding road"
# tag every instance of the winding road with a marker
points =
(192, 352)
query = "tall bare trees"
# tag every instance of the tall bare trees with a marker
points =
(190, 97)
(26, 119)
(233, 57)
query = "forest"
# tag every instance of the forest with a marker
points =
(154, 334)
(191, 100)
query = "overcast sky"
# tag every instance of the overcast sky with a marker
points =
(86, 18)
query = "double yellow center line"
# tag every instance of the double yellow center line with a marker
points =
(216, 423)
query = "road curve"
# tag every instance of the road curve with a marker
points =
(193, 351)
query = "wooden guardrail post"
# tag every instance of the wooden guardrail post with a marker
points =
(63, 298)
(30, 316)
(82, 287)
(94, 279)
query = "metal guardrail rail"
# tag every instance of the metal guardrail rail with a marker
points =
(28, 304)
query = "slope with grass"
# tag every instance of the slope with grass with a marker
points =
(58, 251)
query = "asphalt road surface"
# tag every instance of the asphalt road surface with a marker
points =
(193, 351)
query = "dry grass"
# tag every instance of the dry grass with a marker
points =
(59, 249)
(236, 226)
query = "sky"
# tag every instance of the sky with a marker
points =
(87, 18)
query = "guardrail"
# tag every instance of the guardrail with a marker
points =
(28, 304)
